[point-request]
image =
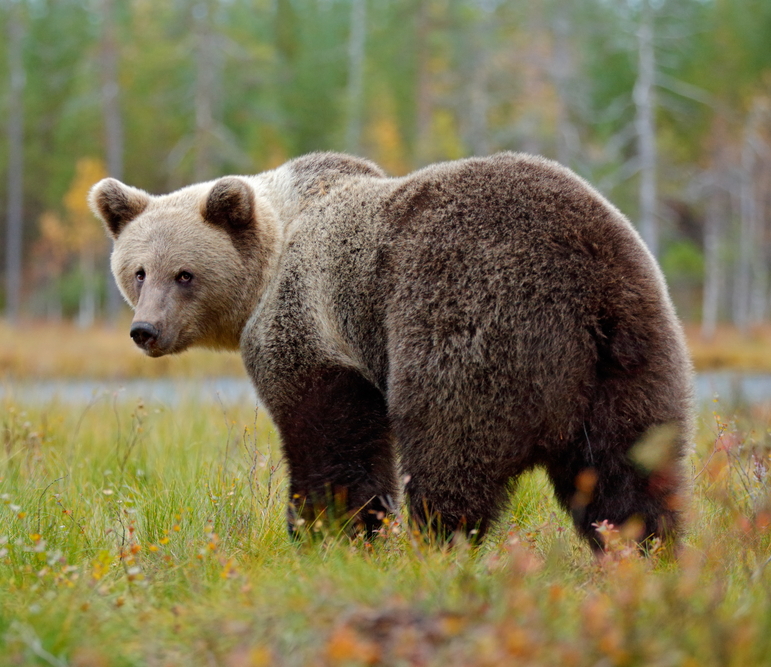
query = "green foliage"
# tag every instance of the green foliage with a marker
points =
(683, 261)
(70, 286)
(59, 99)
(281, 70)
(311, 82)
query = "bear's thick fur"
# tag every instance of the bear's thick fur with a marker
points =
(462, 324)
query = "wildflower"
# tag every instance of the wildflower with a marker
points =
(347, 645)
(229, 570)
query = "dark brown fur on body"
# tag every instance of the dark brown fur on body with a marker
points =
(474, 319)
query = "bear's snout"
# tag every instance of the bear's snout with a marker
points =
(144, 334)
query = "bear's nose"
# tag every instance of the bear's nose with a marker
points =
(143, 332)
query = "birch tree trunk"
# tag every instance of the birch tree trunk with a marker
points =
(717, 196)
(356, 43)
(748, 270)
(751, 206)
(562, 73)
(87, 303)
(205, 82)
(423, 92)
(762, 210)
(113, 126)
(645, 126)
(713, 265)
(479, 102)
(15, 137)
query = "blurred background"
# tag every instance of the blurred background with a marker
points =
(664, 105)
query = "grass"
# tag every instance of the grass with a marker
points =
(142, 535)
(39, 350)
(135, 534)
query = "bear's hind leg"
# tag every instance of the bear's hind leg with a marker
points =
(337, 443)
(597, 483)
(451, 491)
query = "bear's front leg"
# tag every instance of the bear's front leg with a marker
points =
(338, 446)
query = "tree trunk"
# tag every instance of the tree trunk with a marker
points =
(205, 82)
(423, 92)
(479, 102)
(113, 127)
(646, 132)
(717, 204)
(87, 304)
(758, 295)
(562, 72)
(713, 265)
(15, 130)
(356, 43)
(748, 271)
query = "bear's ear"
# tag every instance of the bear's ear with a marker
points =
(116, 204)
(230, 205)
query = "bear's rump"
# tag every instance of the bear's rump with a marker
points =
(508, 379)
(509, 343)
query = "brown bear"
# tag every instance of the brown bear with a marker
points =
(459, 325)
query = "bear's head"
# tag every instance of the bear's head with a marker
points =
(192, 264)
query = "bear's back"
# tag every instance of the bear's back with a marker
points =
(510, 198)
(514, 228)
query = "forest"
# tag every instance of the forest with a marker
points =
(663, 105)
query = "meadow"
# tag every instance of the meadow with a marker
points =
(136, 533)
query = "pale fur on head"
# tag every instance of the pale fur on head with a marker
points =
(222, 234)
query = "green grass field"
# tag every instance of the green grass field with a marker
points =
(143, 535)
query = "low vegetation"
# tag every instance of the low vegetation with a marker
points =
(135, 534)
(37, 351)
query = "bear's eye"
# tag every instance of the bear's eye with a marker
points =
(184, 277)
(141, 275)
